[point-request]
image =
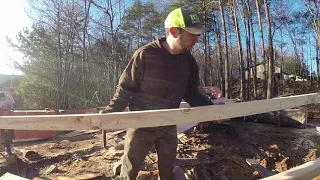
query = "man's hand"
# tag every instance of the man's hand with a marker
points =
(216, 92)
(106, 110)
(204, 124)
(103, 111)
(109, 110)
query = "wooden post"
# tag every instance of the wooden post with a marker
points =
(104, 138)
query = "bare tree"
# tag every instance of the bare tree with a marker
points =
(240, 54)
(205, 68)
(218, 45)
(313, 8)
(262, 51)
(254, 49)
(243, 14)
(226, 58)
(111, 31)
(84, 47)
(271, 55)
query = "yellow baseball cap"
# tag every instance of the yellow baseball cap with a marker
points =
(185, 19)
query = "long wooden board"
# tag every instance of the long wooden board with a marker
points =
(152, 118)
(306, 171)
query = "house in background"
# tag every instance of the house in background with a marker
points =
(260, 70)
(277, 73)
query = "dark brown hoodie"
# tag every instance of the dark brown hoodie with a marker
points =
(156, 79)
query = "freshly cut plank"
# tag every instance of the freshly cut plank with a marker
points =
(152, 118)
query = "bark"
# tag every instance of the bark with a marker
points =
(254, 52)
(231, 56)
(84, 49)
(239, 48)
(249, 62)
(262, 51)
(270, 93)
(226, 58)
(59, 64)
(281, 66)
(248, 50)
(218, 42)
(315, 23)
(205, 67)
(317, 61)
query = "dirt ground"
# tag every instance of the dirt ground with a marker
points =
(221, 150)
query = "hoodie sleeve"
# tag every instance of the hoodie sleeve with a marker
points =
(128, 83)
(193, 95)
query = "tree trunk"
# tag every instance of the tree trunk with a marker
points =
(59, 65)
(270, 93)
(248, 49)
(254, 52)
(249, 63)
(218, 43)
(240, 55)
(262, 51)
(84, 49)
(210, 61)
(226, 59)
(315, 12)
(281, 65)
(205, 67)
(231, 65)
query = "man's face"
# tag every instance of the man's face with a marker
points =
(185, 41)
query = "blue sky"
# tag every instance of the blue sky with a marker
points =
(13, 19)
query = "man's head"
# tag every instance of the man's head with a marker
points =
(182, 28)
(185, 19)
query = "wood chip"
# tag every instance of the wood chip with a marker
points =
(149, 160)
(256, 166)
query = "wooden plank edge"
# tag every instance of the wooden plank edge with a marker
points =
(9, 176)
(138, 119)
(305, 171)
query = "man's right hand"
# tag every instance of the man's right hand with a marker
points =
(110, 110)
(105, 111)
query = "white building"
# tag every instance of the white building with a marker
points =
(260, 70)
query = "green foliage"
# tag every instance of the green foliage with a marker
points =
(143, 23)
(38, 93)
(7, 81)
(152, 26)
(174, 5)
(67, 64)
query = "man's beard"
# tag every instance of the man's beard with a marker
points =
(181, 45)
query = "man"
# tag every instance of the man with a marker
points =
(159, 75)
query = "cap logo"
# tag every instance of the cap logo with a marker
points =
(194, 18)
